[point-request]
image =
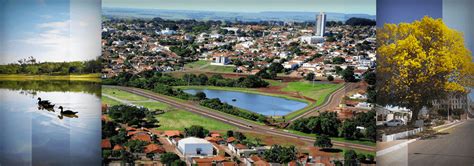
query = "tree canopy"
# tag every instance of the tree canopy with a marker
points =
(419, 62)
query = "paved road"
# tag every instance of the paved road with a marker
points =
(453, 147)
(332, 102)
(242, 124)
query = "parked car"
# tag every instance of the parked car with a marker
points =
(394, 122)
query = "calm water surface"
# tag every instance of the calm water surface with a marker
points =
(31, 136)
(266, 105)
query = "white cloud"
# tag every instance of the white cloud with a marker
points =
(53, 38)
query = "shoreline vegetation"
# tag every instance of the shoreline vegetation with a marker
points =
(244, 90)
(93, 77)
(31, 69)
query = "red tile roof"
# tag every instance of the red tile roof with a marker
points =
(153, 148)
(118, 147)
(142, 137)
(229, 163)
(230, 139)
(240, 146)
(106, 144)
(172, 133)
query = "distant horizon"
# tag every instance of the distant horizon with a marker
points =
(266, 11)
(250, 6)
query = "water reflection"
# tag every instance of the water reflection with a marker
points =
(37, 134)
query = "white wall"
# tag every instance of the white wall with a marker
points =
(190, 149)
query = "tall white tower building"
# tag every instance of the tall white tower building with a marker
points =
(320, 24)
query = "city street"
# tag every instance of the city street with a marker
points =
(454, 146)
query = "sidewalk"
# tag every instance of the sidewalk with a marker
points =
(387, 147)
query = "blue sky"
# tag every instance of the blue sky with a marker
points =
(49, 30)
(456, 14)
(340, 6)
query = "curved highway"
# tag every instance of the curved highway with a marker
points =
(332, 101)
(243, 124)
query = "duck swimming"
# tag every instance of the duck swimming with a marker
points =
(67, 112)
(43, 102)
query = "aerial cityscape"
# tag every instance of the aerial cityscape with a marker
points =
(230, 91)
(237, 83)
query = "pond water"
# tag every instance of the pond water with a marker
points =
(262, 104)
(33, 136)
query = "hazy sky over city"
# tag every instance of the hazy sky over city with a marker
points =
(340, 6)
(50, 30)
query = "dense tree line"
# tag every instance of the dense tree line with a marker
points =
(280, 154)
(52, 68)
(132, 115)
(150, 79)
(328, 124)
(354, 21)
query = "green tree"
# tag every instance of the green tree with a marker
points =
(280, 154)
(330, 78)
(310, 76)
(350, 158)
(338, 60)
(348, 74)
(196, 131)
(323, 141)
(168, 158)
(136, 146)
(201, 95)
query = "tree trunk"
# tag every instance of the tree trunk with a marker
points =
(414, 117)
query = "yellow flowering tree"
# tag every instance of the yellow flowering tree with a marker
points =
(421, 61)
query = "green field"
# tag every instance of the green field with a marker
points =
(196, 64)
(172, 119)
(109, 101)
(122, 94)
(202, 65)
(316, 91)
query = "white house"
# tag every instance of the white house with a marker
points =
(193, 146)
(221, 60)
(358, 96)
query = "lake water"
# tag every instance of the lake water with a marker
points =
(266, 105)
(31, 136)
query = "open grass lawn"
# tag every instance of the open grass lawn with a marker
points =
(196, 64)
(122, 94)
(178, 120)
(172, 119)
(219, 69)
(274, 82)
(203, 65)
(109, 101)
(317, 91)
(153, 105)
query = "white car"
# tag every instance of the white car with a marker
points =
(394, 122)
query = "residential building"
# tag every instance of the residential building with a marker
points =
(193, 146)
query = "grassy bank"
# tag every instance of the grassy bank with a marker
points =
(317, 91)
(172, 119)
(95, 77)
